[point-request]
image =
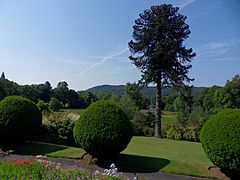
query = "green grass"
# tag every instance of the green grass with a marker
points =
(169, 118)
(143, 154)
(180, 157)
(47, 149)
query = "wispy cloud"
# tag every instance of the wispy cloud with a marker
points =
(68, 61)
(183, 3)
(218, 59)
(101, 57)
(216, 51)
(118, 59)
(104, 59)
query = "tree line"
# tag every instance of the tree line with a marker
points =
(61, 95)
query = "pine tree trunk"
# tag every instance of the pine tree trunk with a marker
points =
(158, 110)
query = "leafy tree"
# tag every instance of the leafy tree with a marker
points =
(45, 91)
(134, 92)
(86, 98)
(142, 124)
(169, 102)
(232, 91)
(42, 106)
(114, 98)
(72, 98)
(209, 100)
(30, 91)
(8, 88)
(128, 106)
(55, 104)
(103, 96)
(183, 105)
(158, 51)
(60, 92)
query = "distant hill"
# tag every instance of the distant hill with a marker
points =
(112, 89)
(148, 92)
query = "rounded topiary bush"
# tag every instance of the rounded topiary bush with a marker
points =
(220, 138)
(103, 130)
(20, 118)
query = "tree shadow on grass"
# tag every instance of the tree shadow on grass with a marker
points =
(32, 148)
(233, 175)
(136, 164)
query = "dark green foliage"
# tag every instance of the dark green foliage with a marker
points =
(209, 102)
(42, 106)
(86, 98)
(220, 139)
(111, 89)
(183, 105)
(45, 91)
(55, 104)
(128, 106)
(2, 75)
(157, 50)
(158, 36)
(148, 92)
(232, 93)
(143, 124)
(103, 96)
(103, 130)
(20, 119)
(134, 92)
(8, 88)
(68, 97)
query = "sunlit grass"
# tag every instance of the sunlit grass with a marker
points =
(180, 157)
(143, 154)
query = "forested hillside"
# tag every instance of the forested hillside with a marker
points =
(148, 92)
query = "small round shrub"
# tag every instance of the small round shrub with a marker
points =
(220, 138)
(20, 118)
(103, 130)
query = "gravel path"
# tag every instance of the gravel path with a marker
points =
(75, 164)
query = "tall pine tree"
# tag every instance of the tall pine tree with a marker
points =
(158, 51)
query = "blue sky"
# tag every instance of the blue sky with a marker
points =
(85, 42)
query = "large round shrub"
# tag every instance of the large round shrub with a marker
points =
(220, 138)
(20, 118)
(103, 130)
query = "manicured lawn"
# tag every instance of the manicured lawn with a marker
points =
(143, 154)
(180, 157)
(169, 118)
(47, 149)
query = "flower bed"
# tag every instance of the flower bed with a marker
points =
(41, 168)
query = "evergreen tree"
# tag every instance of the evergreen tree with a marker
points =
(3, 75)
(158, 51)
